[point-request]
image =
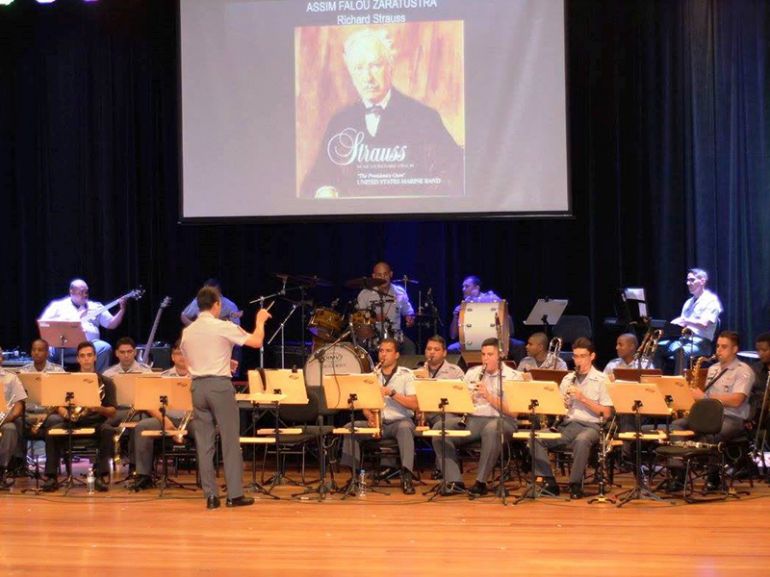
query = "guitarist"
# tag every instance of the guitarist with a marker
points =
(76, 307)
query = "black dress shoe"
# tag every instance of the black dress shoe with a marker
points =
(576, 491)
(406, 482)
(50, 485)
(551, 486)
(479, 489)
(141, 482)
(212, 502)
(240, 501)
(100, 485)
(714, 483)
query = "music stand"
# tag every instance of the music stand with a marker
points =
(70, 390)
(443, 396)
(676, 392)
(257, 397)
(638, 400)
(354, 392)
(163, 393)
(635, 375)
(68, 334)
(534, 398)
(291, 384)
(555, 375)
(546, 312)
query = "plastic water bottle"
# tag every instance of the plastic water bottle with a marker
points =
(90, 481)
(361, 483)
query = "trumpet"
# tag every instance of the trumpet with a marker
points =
(79, 412)
(646, 351)
(554, 350)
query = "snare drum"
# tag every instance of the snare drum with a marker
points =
(342, 359)
(325, 323)
(363, 324)
(479, 321)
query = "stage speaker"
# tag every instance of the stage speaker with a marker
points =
(159, 354)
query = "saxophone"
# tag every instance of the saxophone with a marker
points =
(694, 374)
(182, 428)
(35, 428)
(119, 433)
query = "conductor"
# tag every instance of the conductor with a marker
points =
(207, 345)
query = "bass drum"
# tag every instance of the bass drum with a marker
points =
(340, 359)
(480, 321)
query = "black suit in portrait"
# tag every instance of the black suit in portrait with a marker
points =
(411, 143)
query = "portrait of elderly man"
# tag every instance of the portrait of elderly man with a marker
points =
(386, 143)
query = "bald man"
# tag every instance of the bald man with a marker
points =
(626, 345)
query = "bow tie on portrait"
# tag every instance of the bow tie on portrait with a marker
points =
(376, 110)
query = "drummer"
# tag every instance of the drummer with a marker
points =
(395, 301)
(472, 293)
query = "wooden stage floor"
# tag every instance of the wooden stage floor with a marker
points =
(123, 533)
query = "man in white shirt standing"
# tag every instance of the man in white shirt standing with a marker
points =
(207, 345)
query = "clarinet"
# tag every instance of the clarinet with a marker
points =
(464, 420)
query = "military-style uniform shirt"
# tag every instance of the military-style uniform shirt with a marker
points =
(594, 386)
(402, 381)
(737, 378)
(491, 381)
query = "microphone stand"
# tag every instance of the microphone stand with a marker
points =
(280, 329)
(501, 492)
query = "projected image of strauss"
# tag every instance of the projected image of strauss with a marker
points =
(386, 144)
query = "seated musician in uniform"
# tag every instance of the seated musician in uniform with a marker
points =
(472, 293)
(143, 446)
(40, 363)
(12, 424)
(729, 381)
(586, 398)
(698, 319)
(538, 355)
(626, 346)
(95, 417)
(397, 305)
(436, 366)
(483, 381)
(397, 418)
(125, 351)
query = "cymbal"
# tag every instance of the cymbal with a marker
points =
(364, 282)
(406, 280)
(313, 280)
(303, 279)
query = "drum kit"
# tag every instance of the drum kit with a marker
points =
(345, 336)
(343, 341)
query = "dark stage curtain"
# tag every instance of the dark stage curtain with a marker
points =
(668, 105)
